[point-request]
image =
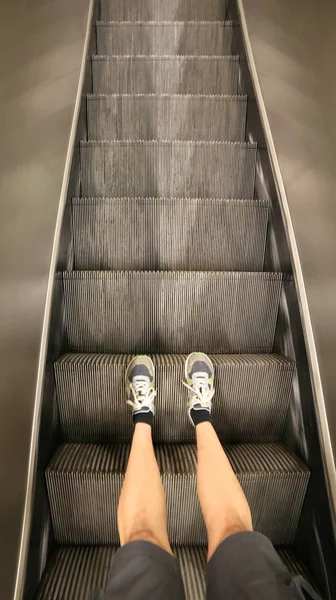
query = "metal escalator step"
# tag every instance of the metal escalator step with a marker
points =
(168, 169)
(73, 572)
(251, 401)
(161, 10)
(175, 117)
(171, 312)
(169, 234)
(165, 74)
(84, 483)
(165, 38)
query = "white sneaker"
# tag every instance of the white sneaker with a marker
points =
(199, 373)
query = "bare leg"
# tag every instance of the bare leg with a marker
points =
(224, 506)
(142, 504)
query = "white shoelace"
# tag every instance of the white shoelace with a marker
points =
(143, 395)
(202, 394)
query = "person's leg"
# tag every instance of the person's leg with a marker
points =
(142, 503)
(144, 568)
(223, 503)
(242, 563)
(224, 506)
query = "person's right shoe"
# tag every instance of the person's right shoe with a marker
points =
(199, 373)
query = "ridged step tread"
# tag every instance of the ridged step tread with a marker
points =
(169, 234)
(84, 483)
(73, 572)
(171, 312)
(161, 10)
(165, 74)
(167, 169)
(164, 38)
(250, 403)
(166, 117)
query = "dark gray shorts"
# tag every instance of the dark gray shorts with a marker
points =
(245, 566)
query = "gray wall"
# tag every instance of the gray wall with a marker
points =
(41, 50)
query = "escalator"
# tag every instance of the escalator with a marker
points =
(168, 244)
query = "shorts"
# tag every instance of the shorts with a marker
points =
(245, 566)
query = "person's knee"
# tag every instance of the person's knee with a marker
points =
(144, 534)
(147, 535)
(219, 534)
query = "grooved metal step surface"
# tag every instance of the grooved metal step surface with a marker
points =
(171, 312)
(168, 169)
(92, 403)
(165, 75)
(161, 10)
(164, 117)
(165, 38)
(169, 234)
(84, 483)
(75, 572)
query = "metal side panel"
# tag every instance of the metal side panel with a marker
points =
(168, 169)
(166, 117)
(133, 312)
(92, 403)
(161, 10)
(84, 483)
(169, 234)
(179, 38)
(165, 74)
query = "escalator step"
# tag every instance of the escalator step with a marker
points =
(175, 117)
(91, 397)
(84, 483)
(174, 38)
(169, 234)
(165, 75)
(171, 312)
(168, 169)
(74, 572)
(161, 10)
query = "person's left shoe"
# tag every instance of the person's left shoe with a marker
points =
(140, 390)
(199, 373)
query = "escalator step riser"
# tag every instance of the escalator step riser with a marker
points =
(165, 75)
(92, 406)
(168, 39)
(175, 117)
(131, 312)
(161, 10)
(89, 479)
(149, 117)
(169, 234)
(167, 169)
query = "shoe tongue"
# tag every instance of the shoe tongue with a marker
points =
(137, 378)
(140, 379)
(201, 380)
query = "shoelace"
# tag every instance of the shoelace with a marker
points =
(143, 395)
(201, 391)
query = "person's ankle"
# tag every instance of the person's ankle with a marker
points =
(199, 416)
(143, 417)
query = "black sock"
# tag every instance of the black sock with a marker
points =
(143, 417)
(199, 416)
